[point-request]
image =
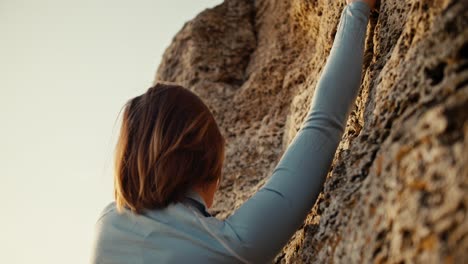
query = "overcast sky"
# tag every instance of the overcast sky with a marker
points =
(66, 69)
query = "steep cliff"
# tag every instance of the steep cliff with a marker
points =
(398, 188)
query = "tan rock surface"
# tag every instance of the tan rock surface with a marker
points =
(398, 188)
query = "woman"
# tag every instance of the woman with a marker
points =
(168, 167)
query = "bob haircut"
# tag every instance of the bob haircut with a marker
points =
(169, 142)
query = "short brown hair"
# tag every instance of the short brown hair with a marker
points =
(169, 142)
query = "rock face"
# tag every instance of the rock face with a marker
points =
(398, 188)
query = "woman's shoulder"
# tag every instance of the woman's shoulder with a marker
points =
(176, 216)
(109, 208)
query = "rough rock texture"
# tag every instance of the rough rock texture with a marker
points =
(398, 188)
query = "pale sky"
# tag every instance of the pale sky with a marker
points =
(66, 69)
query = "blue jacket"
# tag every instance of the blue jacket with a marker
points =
(256, 232)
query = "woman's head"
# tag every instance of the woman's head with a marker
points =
(169, 142)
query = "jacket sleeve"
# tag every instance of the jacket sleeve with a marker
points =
(265, 222)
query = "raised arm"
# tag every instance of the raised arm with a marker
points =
(268, 219)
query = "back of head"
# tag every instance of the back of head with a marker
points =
(169, 142)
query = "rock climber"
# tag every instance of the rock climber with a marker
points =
(168, 162)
